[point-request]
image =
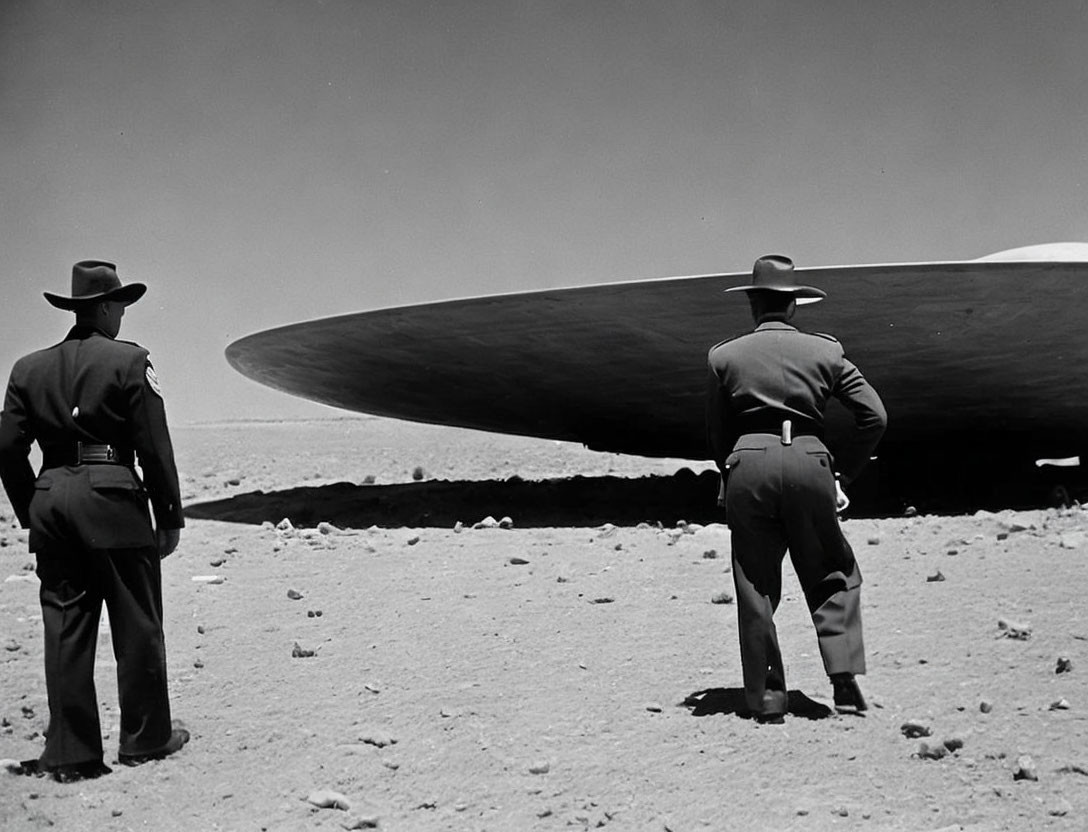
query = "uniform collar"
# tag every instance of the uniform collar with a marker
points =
(80, 332)
(775, 325)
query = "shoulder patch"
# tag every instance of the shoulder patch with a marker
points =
(152, 379)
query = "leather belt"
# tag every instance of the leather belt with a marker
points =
(785, 429)
(85, 453)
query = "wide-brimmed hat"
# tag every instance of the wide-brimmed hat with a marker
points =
(96, 280)
(774, 273)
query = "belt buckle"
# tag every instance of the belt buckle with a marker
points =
(787, 432)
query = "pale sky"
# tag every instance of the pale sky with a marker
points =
(263, 163)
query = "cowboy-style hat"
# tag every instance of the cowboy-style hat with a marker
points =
(774, 273)
(96, 280)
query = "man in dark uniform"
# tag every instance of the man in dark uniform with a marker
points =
(767, 391)
(93, 405)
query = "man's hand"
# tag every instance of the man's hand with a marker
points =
(842, 502)
(168, 541)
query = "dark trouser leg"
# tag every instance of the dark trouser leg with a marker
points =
(134, 599)
(71, 608)
(758, 545)
(825, 564)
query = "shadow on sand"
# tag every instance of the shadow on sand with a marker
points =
(731, 701)
(575, 501)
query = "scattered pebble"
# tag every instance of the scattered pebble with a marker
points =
(313, 613)
(873, 541)
(294, 595)
(285, 525)
(417, 473)
(198, 664)
(506, 523)
(935, 577)
(208, 579)
(413, 540)
(217, 561)
(603, 600)
(379, 739)
(932, 751)
(328, 528)
(12, 646)
(722, 597)
(1064, 665)
(654, 708)
(516, 561)
(328, 799)
(913, 729)
(361, 822)
(1014, 630)
(710, 554)
(540, 768)
(298, 652)
(1059, 808)
(200, 629)
(458, 527)
(1025, 769)
(954, 742)
(488, 522)
(985, 706)
(1060, 705)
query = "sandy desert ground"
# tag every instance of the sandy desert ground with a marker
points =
(570, 672)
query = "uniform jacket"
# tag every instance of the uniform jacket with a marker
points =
(98, 390)
(778, 372)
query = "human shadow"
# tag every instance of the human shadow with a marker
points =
(573, 501)
(728, 701)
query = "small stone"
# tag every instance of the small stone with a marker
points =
(873, 541)
(1025, 769)
(929, 751)
(935, 577)
(540, 768)
(506, 523)
(417, 473)
(379, 739)
(722, 597)
(12, 646)
(516, 561)
(198, 664)
(913, 729)
(603, 600)
(1002, 535)
(488, 522)
(458, 527)
(285, 525)
(1059, 808)
(654, 708)
(954, 742)
(841, 811)
(328, 799)
(116, 813)
(217, 561)
(200, 629)
(294, 595)
(328, 528)
(208, 579)
(710, 554)
(412, 541)
(1014, 630)
(985, 706)
(361, 822)
(1064, 665)
(372, 688)
(1060, 705)
(299, 652)
(910, 511)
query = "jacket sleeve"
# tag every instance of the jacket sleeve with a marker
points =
(870, 420)
(717, 405)
(151, 441)
(15, 440)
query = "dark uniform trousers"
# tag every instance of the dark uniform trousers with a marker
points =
(781, 497)
(76, 578)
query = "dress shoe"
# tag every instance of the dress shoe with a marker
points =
(178, 738)
(68, 773)
(848, 698)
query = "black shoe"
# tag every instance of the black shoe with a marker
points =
(80, 771)
(771, 719)
(178, 738)
(70, 773)
(848, 697)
